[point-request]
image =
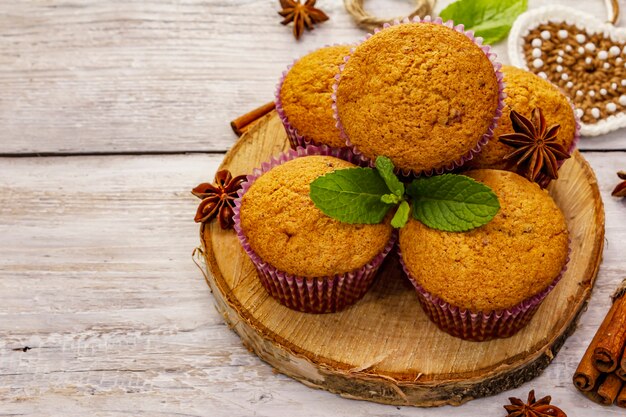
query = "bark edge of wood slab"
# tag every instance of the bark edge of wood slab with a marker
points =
(384, 348)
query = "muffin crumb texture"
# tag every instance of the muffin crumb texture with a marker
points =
(420, 93)
(306, 95)
(526, 91)
(496, 266)
(285, 229)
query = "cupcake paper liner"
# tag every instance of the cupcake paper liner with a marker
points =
(311, 295)
(480, 326)
(295, 138)
(485, 137)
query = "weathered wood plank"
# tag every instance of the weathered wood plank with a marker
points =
(96, 278)
(131, 76)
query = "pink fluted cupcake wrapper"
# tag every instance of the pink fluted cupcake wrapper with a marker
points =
(311, 295)
(295, 138)
(480, 326)
(484, 138)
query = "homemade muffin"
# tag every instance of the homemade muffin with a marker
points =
(305, 259)
(304, 98)
(284, 227)
(526, 91)
(421, 93)
(514, 258)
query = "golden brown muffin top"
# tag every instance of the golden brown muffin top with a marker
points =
(285, 229)
(496, 266)
(419, 93)
(306, 92)
(525, 92)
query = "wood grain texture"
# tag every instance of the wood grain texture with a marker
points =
(384, 348)
(96, 279)
(92, 76)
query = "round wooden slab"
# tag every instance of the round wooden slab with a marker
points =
(384, 348)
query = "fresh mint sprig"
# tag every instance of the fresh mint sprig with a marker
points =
(352, 195)
(385, 168)
(361, 195)
(402, 215)
(449, 202)
(489, 19)
(454, 203)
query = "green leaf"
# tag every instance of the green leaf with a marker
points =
(385, 169)
(351, 195)
(490, 19)
(454, 203)
(401, 216)
(390, 199)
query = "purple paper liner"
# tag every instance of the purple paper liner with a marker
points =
(485, 137)
(295, 138)
(324, 294)
(479, 326)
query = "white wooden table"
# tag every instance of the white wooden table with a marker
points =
(110, 111)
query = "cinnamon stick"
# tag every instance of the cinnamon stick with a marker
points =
(586, 374)
(621, 398)
(608, 352)
(609, 389)
(241, 124)
(622, 367)
(593, 396)
(621, 374)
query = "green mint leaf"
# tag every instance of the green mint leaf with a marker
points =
(453, 203)
(351, 195)
(385, 167)
(390, 199)
(401, 216)
(490, 19)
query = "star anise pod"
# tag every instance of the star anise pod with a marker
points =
(532, 408)
(537, 152)
(302, 15)
(620, 190)
(218, 199)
